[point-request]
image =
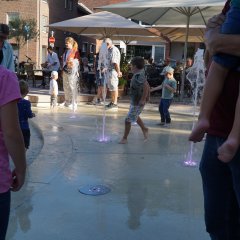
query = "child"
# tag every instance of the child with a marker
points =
(168, 87)
(11, 143)
(53, 91)
(24, 113)
(139, 93)
(218, 71)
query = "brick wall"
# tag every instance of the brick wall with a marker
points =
(21, 6)
(93, 3)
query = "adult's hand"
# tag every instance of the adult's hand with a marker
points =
(119, 74)
(212, 33)
(216, 21)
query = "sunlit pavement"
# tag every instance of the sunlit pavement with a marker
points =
(154, 196)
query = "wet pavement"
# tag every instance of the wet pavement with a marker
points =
(153, 195)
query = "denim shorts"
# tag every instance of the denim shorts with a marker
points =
(134, 112)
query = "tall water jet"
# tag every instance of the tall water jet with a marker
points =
(196, 77)
(103, 71)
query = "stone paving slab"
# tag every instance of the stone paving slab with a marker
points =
(153, 195)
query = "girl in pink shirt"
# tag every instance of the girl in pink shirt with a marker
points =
(11, 143)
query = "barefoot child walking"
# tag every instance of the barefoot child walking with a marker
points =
(139, 94)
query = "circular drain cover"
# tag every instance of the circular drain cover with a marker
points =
(94, 190)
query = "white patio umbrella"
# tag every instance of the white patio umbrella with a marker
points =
(168, 13)
(128, 38)
(103, 23)
(177, 33)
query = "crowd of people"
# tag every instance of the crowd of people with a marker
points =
(219, 114)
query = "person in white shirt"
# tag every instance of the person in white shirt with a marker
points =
(113, 72)
(53, 91)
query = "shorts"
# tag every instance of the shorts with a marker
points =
(133, 113)
(112, 77)
(100, 80)
(26, 137)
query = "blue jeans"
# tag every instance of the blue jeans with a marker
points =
(4, 213)
(221, 190)
(164, 110)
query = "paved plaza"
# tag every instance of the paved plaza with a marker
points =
(153, 195)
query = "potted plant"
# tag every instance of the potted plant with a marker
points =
(123, 81)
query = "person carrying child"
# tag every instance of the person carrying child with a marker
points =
(53, 90)
(139, 94)
(24, 113)
(220, 67)
(169, 87)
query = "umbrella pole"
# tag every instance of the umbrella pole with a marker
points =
(184, 60)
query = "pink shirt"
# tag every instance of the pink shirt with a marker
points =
(9, 91)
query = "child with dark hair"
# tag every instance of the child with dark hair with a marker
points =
(139, 94)
(24, 113)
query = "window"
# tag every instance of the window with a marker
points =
(44, 23)
(158, 53)
(44, 53)
(84, 47)
(92, 48)
(11, 16)
(70, 5)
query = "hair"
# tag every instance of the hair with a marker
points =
(4, 29)
(50, 48)
(108, 40)
(73, 42)
(54, 73)
(84, 60)
(23, 85)
(138, 62)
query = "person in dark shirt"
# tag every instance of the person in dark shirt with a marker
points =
(24, 113)
(221, 181)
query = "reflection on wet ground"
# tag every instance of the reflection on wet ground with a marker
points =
(153, 195)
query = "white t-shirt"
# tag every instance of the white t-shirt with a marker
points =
(53, 87)
(114, 57)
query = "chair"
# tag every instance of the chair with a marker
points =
(30, 73)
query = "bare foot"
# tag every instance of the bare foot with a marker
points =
(199, 130)
(123, 141)
(227, 151)
(145, 134)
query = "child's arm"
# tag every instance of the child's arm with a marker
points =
(30, 114)
(217, 42)
(13, 140)
(173, 90)
(145, 93)
(156, 88)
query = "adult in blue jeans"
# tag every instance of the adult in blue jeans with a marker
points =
(221, 181)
